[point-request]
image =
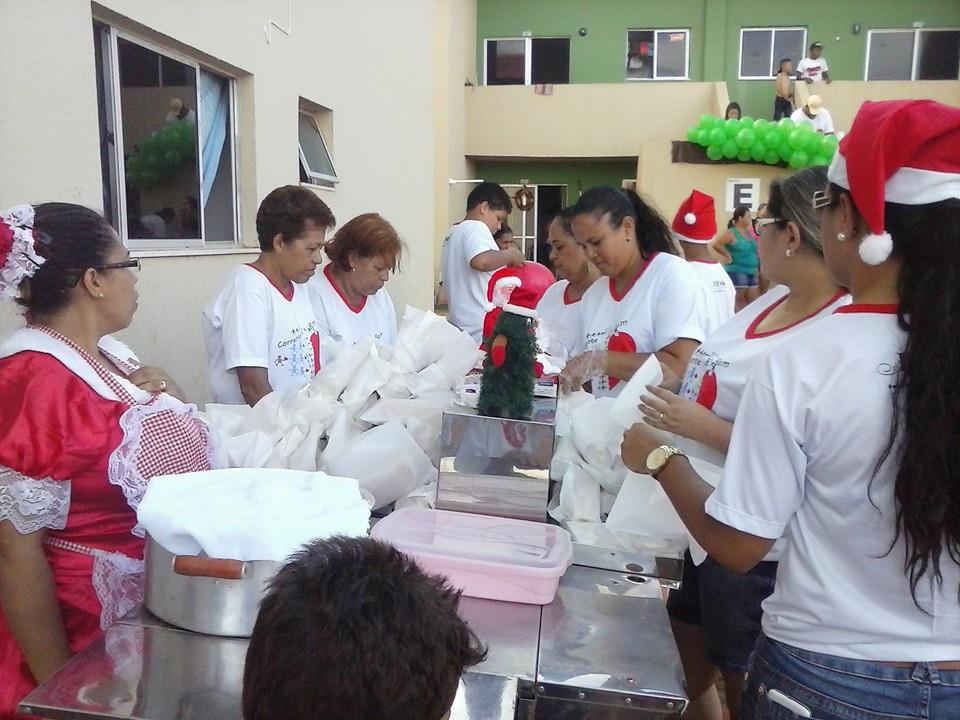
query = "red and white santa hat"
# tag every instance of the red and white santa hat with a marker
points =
(899, 151)
(696, 220)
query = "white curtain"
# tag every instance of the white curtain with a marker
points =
(214, 117)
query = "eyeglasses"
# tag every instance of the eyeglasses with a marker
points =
(821, 199)
(132, 263)
(761, 223)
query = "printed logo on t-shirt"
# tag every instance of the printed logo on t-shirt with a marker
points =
(719, 286)
(620, 342)
(700, 384)
(890, 371)
(299, 354)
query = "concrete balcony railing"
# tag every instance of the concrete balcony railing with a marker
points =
(844, 97)
(584, 121)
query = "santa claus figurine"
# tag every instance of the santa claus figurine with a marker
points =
(510, 367)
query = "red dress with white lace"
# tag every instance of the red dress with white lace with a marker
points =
(69, 463)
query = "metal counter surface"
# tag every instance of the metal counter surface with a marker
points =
(604, 645)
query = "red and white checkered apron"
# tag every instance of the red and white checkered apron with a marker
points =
(161, 437)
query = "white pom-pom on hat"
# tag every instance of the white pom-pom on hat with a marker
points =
(875, 249)
(690, 218)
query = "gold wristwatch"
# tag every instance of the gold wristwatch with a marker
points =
(659, 457)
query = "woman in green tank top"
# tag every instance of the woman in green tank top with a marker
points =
(738, 252)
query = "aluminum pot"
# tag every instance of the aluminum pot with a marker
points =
(213, 596)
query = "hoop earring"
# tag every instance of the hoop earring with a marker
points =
(789, 252)
(841, 237)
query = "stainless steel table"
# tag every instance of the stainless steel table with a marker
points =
(602, 649)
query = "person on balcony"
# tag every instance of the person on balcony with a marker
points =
(814, 67)
(783, 103)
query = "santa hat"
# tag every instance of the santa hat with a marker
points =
(903, 151)
(696, 220)
(516, 290)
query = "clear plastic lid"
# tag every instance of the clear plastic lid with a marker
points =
(477, 538)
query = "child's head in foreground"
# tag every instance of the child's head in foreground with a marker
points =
(352, 628)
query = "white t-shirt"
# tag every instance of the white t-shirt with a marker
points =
(822, 122)
(719, 294)
(560, 320)
(813, 69)
(663, 304)
(814, 420)
(340, 322)
(466, 287)
(251, 323)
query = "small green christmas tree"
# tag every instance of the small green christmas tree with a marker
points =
(509, 378)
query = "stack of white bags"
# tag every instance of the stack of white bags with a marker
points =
(372, 414)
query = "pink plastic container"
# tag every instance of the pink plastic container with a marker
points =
(486, 557)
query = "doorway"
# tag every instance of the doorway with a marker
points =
(530, 226)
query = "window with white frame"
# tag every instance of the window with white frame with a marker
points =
(658, 54)
(762, 50)
(167, 145)
(527, 61)
(316, 162)
(914, 54)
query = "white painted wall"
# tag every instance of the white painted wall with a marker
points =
(371, 61)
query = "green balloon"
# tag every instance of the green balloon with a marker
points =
(730, 149)
(706, 121)
(757, 152)
(832, 141)
(692, 133)
(787, 123)
(703, 137)
(714, 152)
(799, 160)
(820, 160)
(746, 138)
(797, 139)
(761, 124)
(744, 155)
(717, 137)
(772, 139)
(746, 122)
(771, 158)
(731, 127)
(814, 143)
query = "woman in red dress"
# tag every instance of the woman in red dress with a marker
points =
(83, 427)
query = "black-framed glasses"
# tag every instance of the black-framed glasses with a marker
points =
(132, 263)
(821, 199)
(761, 223)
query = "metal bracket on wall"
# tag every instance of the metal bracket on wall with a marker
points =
(268, 28)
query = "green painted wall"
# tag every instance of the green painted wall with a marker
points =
(577, 175)
(715, 32)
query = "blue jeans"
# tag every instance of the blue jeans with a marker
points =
(834, 688)
(742, 280)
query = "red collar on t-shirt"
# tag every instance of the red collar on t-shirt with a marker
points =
(567, 300)
(288, 296)
(882, 309)
(356, 309)
(752, 333)
(613, 285)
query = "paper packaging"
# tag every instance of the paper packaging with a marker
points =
(625, 410)
(254, 514)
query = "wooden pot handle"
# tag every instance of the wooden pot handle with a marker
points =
(218, 568)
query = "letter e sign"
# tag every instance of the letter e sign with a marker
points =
(742, 191)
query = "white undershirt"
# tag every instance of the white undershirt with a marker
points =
(814, 421)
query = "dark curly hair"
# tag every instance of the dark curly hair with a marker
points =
(71, 238)
(353, 628)
(925, 428)
(653, 233)
(286, 211)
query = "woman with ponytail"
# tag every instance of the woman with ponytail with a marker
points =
(651, 302)
(847, 445)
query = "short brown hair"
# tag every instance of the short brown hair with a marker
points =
(286, 211)
(369, 235)
(353, 628)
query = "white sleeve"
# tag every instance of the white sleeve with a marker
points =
(827, 121)
(763, 476)
(825, 67)
(30, 504)
(802, 67)
(478, 240)
(680, 310)
(246, 327)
